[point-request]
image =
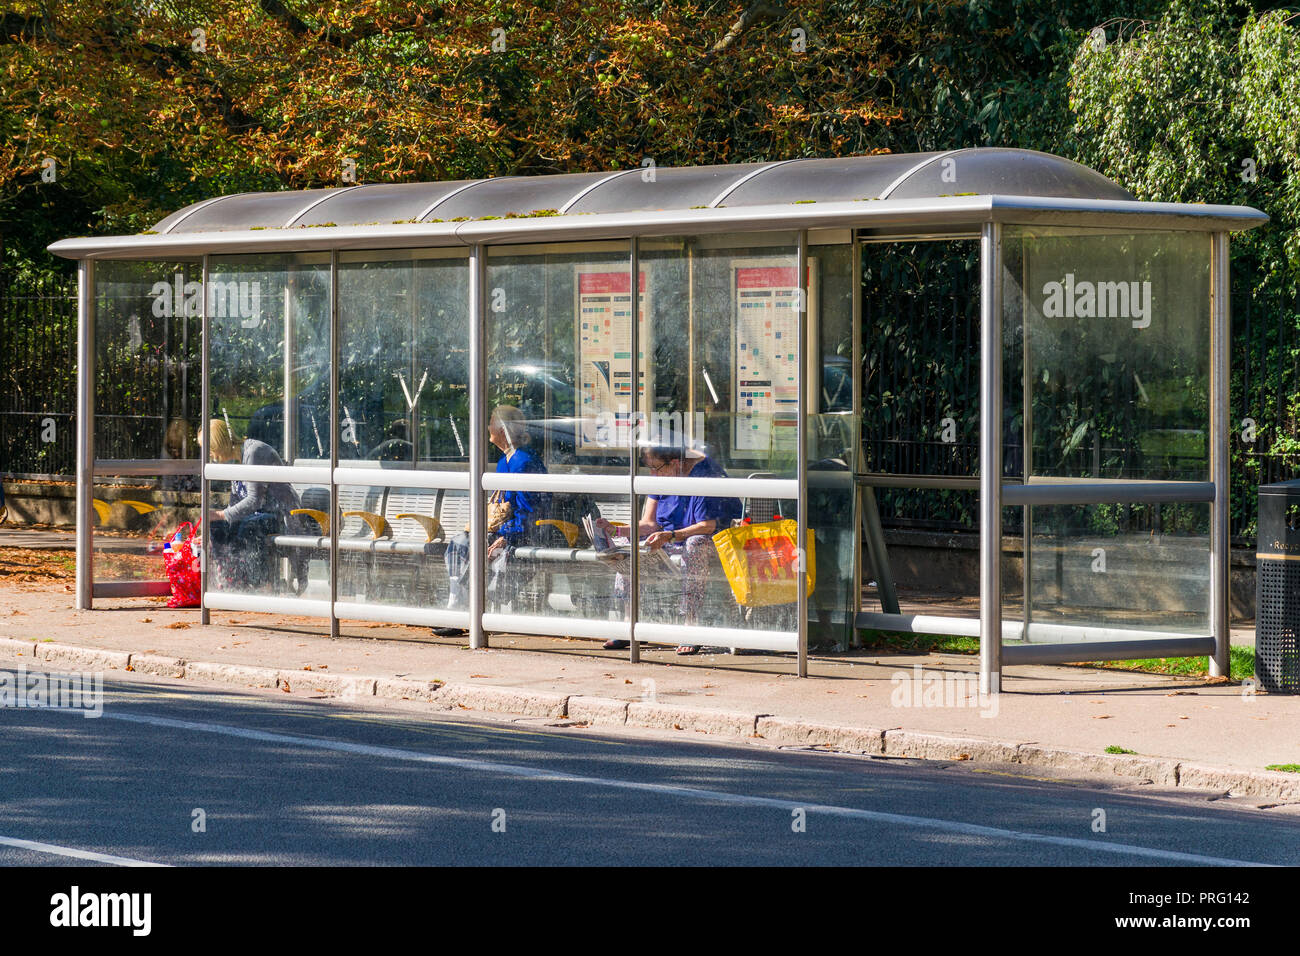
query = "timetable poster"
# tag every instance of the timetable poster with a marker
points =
(765, 377)
(605, 405)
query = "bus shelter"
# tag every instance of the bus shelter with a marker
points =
(999, 335)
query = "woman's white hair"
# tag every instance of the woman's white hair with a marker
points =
(511, 421)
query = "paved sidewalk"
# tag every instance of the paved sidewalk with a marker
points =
(1185, 732)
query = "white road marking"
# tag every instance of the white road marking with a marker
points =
(74, 853)
(693, 793)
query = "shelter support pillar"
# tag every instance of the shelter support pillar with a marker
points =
(990, 507)
(477, 442)
(85, 433)
(336, 518)
(1220, 452)
(807, 408)
(205, 414)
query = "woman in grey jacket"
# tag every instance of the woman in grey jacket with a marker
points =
(240, 532)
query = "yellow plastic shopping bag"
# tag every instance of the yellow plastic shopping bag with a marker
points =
(762, 562)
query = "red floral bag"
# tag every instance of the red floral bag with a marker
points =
(181, 560)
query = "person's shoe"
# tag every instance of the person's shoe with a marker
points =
(688, 649)
(449, 631)
(617, 645)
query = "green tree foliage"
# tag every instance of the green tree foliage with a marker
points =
(1203, 105)
(143, 113)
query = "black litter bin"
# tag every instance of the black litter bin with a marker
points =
(1277, 588)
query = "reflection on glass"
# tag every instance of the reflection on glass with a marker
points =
(723, 331)
(741, 576)
(403, 356)
(559, 350)
(262, 534)
(147, 337)
(393, 544)
(133, 518)
(270, 348)
(1117, 339)
(1122, 566)
(833, 527)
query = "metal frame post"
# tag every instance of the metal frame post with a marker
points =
(1026, 467)
(289, 403)
(205, 492)
(856, 462)
(85, 434)
(634, 558)
(801, 454)
(477, 443)
(990, 507)
(1220, 453)
(335, 517)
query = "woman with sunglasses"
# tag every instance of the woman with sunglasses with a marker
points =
(683, 525)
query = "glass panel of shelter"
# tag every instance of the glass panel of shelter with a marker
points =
(403, 408)
(270, 350)
(560, 404)
(146, 399)
(1116, 329)
(723, 330)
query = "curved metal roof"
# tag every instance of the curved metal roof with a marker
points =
(961, 172)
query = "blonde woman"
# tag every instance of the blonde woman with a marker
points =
(257, 509)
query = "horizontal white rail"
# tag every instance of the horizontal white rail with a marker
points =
(395, 478)
(718, 487)
(413, 616)
(681, 634)
(301, 474)
(558, 626)
(589, 484)
(1106, 492)
(1012, 630)
(228, 601)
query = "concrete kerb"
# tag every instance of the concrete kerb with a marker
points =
(601, 711)
(802, 733)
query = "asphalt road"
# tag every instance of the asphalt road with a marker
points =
(284, 781)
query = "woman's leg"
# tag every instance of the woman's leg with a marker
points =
(698, 553)
(457, 558)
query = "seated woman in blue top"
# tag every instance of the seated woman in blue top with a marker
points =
(683, 525)
(506, 430)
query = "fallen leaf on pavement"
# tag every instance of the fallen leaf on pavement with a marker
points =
(149, 620)
(1101, 716)
(176, 626)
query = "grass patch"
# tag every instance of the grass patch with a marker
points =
(903, 643)
(1284, 767)
(1115, 749)
(1241, 660)
(1241, 665)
